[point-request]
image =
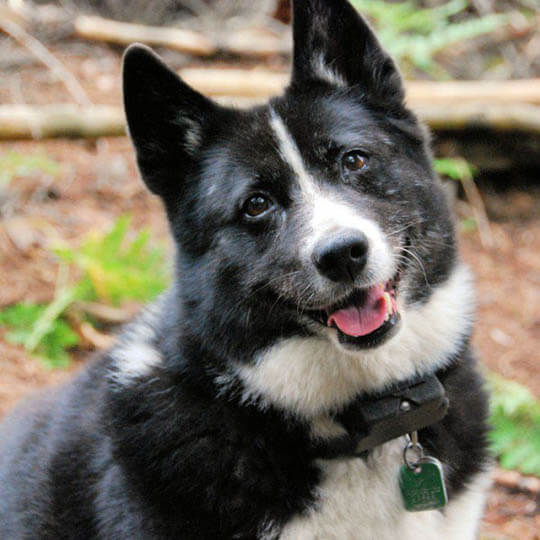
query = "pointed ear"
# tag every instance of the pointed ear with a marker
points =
(333, 43)
(165, 118)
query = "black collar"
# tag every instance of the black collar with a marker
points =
(375, 419)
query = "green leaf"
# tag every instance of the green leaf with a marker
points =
(41, 330)
(117, 268)
(23, 314)
(454, 168)
(53, 348)
(48, 321)
(414, 35)
(515, 417)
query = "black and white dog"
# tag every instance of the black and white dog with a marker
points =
(317, 283)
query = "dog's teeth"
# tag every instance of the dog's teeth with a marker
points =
(388, 302)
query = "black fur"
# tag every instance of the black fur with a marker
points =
(165, 459)
(172, 454)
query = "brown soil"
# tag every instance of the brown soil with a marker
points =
(508, 292)
(98, 182)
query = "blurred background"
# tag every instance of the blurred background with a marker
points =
(83, 245)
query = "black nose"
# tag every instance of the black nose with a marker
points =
(343, 256)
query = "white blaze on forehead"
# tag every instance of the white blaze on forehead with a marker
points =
(328, 213)
(291, 155)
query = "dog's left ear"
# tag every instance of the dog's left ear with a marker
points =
(333, 43)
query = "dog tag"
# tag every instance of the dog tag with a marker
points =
(422, 485)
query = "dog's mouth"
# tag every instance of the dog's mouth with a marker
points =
(365, 311)
(365, 318)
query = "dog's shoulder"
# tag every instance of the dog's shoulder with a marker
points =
(137, 443)
(45, 449)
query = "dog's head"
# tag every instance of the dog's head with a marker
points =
(317, 214)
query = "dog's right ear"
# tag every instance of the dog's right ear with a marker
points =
(165, 118)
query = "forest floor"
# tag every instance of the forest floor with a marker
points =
(98, 182)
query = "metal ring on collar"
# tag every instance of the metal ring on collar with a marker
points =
(416, 447)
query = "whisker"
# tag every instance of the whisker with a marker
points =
(277, 278)
(411, 224)
(418, 261)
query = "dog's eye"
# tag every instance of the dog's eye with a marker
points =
(354, 161)
(257, 205)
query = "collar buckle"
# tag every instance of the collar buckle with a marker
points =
(373, 420)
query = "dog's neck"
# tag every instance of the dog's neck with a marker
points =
(372, 420)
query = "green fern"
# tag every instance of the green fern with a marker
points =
(515, 417)
(414, 35)
(114, 269)
(55, 337)
(117, 269)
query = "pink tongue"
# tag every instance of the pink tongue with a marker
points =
(360, 321)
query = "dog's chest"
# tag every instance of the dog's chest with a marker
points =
(360, 500)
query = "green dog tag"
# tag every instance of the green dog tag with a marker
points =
(422, 487)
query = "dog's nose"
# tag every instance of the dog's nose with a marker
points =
(343, 256)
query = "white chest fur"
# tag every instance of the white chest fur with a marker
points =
(311, 375)
(360, 500)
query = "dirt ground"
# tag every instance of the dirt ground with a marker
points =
(98, 182)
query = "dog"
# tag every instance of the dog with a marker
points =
(314, 347)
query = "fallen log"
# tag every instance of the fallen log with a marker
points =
(492, 92)
(256, 41)
(121, 33)
(264, 83)
(60, 120)
(252, 83)
(520, 117)
(68, 120)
